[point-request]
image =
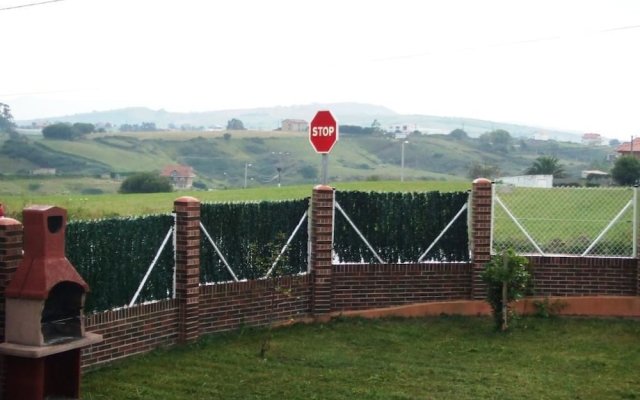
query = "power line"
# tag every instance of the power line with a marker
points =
(29, 5)
(504, 44)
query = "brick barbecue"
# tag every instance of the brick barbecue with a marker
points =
(44, 322)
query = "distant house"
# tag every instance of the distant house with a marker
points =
(630, 148)
(595, 176)
(181, 176)
(43, 171)
(295, 125)
(592, 139)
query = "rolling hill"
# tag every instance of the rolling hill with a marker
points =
(221, 158)
(270, 118)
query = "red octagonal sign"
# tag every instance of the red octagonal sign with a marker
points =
(323, 132)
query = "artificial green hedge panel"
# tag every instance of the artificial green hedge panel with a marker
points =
(113, 255)
(401, 226)
(250, 236)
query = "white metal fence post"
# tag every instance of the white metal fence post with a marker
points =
(635, 221)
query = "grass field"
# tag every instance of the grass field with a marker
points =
(434, 358)
(140, 158)
(565, 220)
(109, 205)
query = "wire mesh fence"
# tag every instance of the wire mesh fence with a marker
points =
(565, 221)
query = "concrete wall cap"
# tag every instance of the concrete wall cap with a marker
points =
(5, 221)
(323, 188)
(482, 181)
(186, 199)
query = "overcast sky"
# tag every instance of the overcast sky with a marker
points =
(560, 64)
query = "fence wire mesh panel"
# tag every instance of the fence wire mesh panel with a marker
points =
(565, 221)
(250, 236)
(401, 226)
(113, 255)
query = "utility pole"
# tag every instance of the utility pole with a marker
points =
(246, 170)
(402, 161)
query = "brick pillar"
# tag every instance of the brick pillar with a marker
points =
(480, 234)
(10, 257)
(321, 237)
(187, 250)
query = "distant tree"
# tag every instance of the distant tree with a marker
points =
(309, 172)
(6, 119)
(59, 131)
(357, 130)
(148, 127)
(546, 165)
(200, 185)
(235, 124)
(478, 170)
(614, 143)
(626, 170)
(376, 127)
(146, 182)
(84, 128)
(144, 127)
(458, 134)
(523, 144)
(498, 140)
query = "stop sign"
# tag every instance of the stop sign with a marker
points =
(323, 132)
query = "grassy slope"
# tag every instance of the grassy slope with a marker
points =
(221, 162)
(138, 158)
(436, 358)
(107, 205)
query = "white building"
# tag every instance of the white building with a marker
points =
(535, 181)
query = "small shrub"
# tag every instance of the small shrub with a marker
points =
(200, 185)
(146, 182)
(34, 187)
(547, 308)
(508, 279)
(92, 191)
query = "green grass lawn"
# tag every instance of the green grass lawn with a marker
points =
(563, 220)
(108, 205)
(430, 358)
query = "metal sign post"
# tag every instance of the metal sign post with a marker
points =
(323, 135)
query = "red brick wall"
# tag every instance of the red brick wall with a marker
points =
(574, 276)
(187, 253)
(231, 305)
(133, 330)
(362, 286)
(480, 233)
(10, 257)
(321, 246)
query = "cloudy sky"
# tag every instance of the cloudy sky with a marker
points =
(553, 63)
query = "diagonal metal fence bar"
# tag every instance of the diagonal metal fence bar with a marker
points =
(607, 228)
(235, 278)
(284, 248)
(446, 228)
(355, 228)
(515, 220)
(153, 264)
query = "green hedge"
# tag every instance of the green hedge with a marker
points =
(112, 255)
(401, 226)
(250, 235)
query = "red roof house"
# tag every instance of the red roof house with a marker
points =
(630, 148)
(181, 175)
